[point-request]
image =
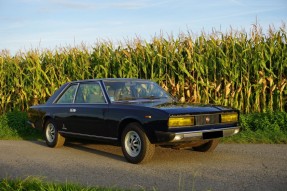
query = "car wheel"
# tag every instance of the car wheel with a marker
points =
(136, 146)
(52, 137)
(207, 147)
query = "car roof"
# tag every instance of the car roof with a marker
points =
(110, 79)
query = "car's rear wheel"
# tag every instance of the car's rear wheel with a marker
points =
(136, 146)
(52, 137)
(207, 147)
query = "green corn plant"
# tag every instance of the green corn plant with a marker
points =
(244, 70)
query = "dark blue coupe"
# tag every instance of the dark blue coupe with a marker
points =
(138, 114)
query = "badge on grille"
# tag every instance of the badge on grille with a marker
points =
(207, 119)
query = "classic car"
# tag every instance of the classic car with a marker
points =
(134, 113)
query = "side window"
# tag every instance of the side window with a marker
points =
(119, 91)
(68, 96)
(90, 93)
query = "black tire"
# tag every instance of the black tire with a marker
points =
(207, 147)
(52, 137)
(136, 146)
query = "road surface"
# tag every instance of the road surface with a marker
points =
(229, 167)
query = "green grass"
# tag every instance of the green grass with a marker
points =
(38, 184)
(268, 127)
(258, 137)
(13, 126)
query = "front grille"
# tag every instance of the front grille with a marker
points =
(207, 119)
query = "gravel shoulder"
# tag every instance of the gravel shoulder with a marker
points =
(229, 167)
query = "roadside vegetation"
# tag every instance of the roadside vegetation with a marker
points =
(32, 183)
(244, 70)
(267, 127)
(13, 126)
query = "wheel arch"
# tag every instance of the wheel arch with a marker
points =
(124, 123)
(45, 119)
(127, 121)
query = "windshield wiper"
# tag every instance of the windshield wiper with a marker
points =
(126, 99)
(151, 97)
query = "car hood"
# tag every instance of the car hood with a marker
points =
(177, 108)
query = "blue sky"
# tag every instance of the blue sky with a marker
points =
(30, 24)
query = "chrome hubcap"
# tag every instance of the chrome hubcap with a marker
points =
(50, 132)
(133, 143)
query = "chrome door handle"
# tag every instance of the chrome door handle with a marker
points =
(73, 110)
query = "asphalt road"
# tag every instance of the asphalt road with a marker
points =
(229, 167)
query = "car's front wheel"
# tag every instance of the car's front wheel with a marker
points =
(136, 146)
(208, 146)
(52, 137)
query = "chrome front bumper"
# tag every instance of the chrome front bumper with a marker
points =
(205, 134)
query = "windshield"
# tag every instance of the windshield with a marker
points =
(135, 90)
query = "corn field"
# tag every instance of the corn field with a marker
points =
(243, 70)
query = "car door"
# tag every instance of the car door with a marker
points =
(62, 105)
(85, 114)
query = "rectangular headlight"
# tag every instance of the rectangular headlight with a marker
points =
(229, 117)
(181, 121)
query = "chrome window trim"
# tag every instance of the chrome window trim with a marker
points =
(93, 82)
(63, 91)
(168, 95)
(103, 92)
(78, 85)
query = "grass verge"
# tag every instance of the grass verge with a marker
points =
(258, 137)
(33, 183)
(268, 127)
(13, 126)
